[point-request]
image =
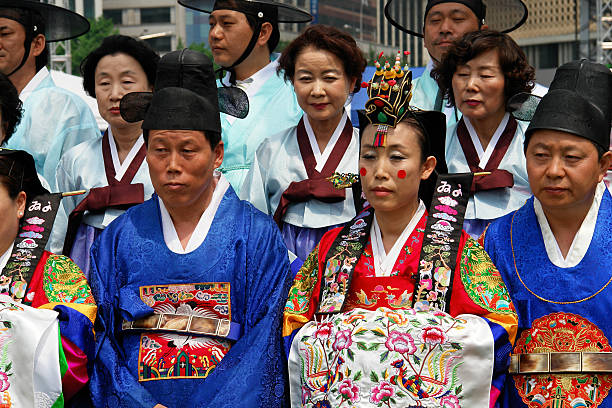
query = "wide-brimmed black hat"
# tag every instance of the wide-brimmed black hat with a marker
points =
(266, 10)
(579, 101)
(59, 23)
(499, 15)
(19, 166)
(186, 96)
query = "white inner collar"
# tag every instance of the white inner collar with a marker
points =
(33, 84)
(383, 262)
(321, 158)
(4, 258)
(201, 230)
(121, 168)
(485, 155)
(582, 240)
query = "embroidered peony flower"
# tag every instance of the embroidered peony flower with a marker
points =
(323, 330)
(343, 276)
(343, 340)
(450, 401)
(426, 283)
(403, 343)
(433, 335)
(333, 287)
(4, 382)
(349, 390)
(381, 392)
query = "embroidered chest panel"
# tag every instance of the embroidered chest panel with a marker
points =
(64, 282)
(388, 358)
(562, 332)
(172, 355)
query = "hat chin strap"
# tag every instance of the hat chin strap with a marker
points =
(241, 59)
(26, 54)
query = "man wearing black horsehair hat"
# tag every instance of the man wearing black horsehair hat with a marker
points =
(192, 281)
(554, 252)
(445, 21)
(243, 34)
(399, 308)
(54, 119)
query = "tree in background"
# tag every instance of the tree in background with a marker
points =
(83, 45)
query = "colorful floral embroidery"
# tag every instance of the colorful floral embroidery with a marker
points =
(559, 332)
(170, 355)
(64, 282)
(343, 180)
(303, 285)
(412, 356)
(482, 281)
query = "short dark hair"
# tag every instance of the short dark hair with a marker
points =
(327, 38)
(213, 137)
(139, 50)
(10, 106)
(42, 60)
(274, 37)
(518, 74)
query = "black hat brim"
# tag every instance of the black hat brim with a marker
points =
(286, 12)
(501, 15)
(60, 24)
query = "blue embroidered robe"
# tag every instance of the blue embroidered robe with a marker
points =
(243, 247)
(553, 283)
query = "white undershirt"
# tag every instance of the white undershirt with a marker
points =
(321, 158)
(201, 230)
(582, 240)
(121, 168)
(253, 84)
(485, 155)
(33, 84)
(383, 262)
(5, 257)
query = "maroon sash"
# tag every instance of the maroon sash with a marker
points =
(118, 194)
(498, 178)
(316, 186)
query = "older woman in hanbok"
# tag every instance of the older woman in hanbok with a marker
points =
(479, 74)
(300, 176)
(46, 307)
(112, 167)
(383, 312)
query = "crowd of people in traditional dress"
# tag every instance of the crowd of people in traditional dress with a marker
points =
(235, 238)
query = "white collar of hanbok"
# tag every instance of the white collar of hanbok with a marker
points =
(201, 230)
(485, 155)
(33, 84)
(121, 168)
(5, 257)
(581, 241)
(383, 262)
(321, 158)
(253, 84)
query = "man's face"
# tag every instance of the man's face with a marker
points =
(229, 35)
(12, 38)
(181, 165)
(564, 170)
(445, 23)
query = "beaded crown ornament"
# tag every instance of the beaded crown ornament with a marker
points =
(389, 92)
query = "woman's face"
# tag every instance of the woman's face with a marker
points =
(12, 210)
(320, 84)
(479, 87)
(116, 75)
(391, 175)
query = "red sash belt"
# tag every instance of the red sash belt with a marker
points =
(498, 178)
(316, 186)
(118, 194)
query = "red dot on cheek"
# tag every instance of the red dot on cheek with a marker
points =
(401, 174)
(363, 171)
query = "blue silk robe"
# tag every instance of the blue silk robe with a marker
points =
(243, 248)
(548, 326)
(54, 120)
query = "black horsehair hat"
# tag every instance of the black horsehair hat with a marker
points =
(266, 10)
(60, 23)
(19, 165)
(185, 96)
(579, 101)
(499, 15)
